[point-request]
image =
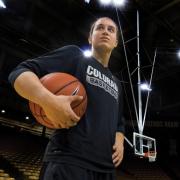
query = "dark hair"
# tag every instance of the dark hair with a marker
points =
(93, 25)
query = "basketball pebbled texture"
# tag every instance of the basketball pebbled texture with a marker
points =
(60, 84)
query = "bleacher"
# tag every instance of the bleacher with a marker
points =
(21, 156)
(5, 176)
(28, 164)
(141, 169)
(147, 171)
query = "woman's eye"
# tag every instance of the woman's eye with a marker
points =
(100, 27)
(111, 30)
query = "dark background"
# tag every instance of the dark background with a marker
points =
(30, 28)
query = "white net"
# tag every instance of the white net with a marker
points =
(151, 155)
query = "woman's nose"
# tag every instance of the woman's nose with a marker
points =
(105, 31)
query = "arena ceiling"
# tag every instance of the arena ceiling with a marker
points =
(29, 28)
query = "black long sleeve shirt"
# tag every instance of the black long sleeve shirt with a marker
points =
(89, 143)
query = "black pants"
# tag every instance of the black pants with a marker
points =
(58, 171)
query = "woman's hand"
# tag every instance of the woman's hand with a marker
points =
(58, 110)
(118, 149)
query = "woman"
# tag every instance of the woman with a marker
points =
(91, 147)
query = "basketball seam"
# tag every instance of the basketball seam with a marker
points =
(80, 102)
(39, 115)
(42, 116)
(68, 85)
(59, 90)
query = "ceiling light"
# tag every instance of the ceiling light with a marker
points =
(145, 87)
(87, 53)
(2, 4)
(3, 111)
(105, 2)
(27, 117)
(119, 2)
(178, 54)
(87, 1)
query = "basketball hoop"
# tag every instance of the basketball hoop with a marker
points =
(151, 155)
(144, 146)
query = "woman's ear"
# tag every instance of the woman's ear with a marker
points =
(89, 40)
(116, 43)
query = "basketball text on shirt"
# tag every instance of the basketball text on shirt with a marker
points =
(96, 78)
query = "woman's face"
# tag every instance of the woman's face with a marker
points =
(104, 35)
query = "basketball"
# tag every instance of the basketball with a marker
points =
(60, 84)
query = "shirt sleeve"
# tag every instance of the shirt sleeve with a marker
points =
(63, 59)
(121, 120)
